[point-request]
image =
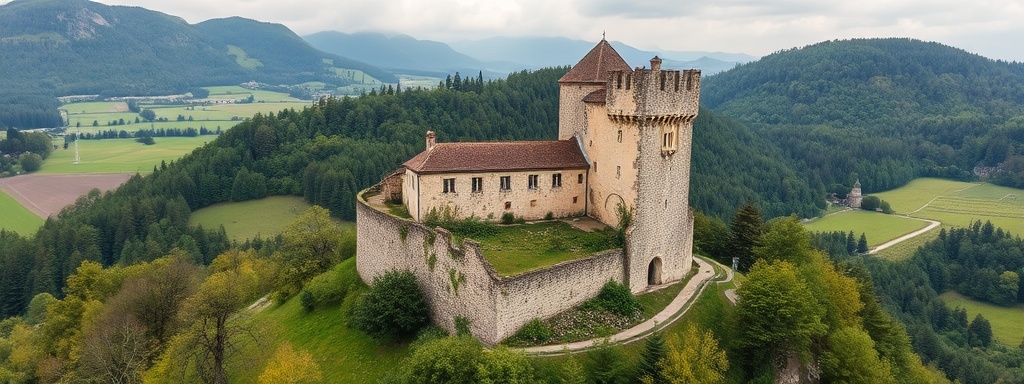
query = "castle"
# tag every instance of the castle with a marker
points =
(624, 142)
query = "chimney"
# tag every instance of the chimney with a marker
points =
(655, 64)
(430, 140)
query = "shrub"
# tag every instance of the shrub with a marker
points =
(332, 286)
(393, 307)
(535, 332)
(617, 299)
(307, 301)
(549, 216)
(508, 218)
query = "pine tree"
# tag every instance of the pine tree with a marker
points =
(862, 244)
(851, 244)
(746, 232)
(654, 351)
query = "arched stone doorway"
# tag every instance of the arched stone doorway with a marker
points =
(654, 272)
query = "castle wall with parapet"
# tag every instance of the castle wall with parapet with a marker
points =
(458, 281)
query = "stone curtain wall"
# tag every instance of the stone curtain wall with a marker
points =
(458, 281)
(543, 293)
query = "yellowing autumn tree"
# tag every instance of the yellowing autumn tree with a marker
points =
(290, 366)
(694, 359)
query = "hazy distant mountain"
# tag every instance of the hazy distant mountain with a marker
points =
(399, 53)
(61, 47)
(515, 53)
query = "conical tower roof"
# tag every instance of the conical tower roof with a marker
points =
(594, 67)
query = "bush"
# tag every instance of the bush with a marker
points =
(536, 332)
(617, 299)
(332, 286)
(30, 162)
(393, 307)
(508, 218)
(307, 301)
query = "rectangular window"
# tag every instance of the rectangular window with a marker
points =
(556, 180)
(506, 183)
(449, 185)
(478, 184)
(669, 136)
(532, 182)
(579, 179)
(618, 171)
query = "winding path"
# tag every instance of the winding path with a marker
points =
(687, 296)
(931, 225)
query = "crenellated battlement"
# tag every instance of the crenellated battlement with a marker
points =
(653, 92)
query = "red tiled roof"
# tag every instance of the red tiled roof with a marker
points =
(498, 156)
(599, 96)
(594, 67)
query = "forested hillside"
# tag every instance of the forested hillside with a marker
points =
(77, 47)
(883, 110)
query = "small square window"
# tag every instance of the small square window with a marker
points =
(449, 185)
(478, 184)
(508, 205)
(575, 199)
(533, 203)
(506, 183)
(556, 180)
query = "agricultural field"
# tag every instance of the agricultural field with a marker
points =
(219, 114)
(16, 217)
(1006, 324)
(957, 203)
(412, 81)
(120, 155)
(265, 217)
(878, 227)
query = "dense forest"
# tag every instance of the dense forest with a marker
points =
(883, 110)
(964, 349)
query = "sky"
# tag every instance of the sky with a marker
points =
(991, 28)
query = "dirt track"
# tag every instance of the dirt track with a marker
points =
(46, 195)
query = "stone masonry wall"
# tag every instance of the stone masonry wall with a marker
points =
(489, 203)
(458, 281)
(543, 293)
(656, 102)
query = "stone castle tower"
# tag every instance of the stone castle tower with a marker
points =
(635, 127)
(855, 197)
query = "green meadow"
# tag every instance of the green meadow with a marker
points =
(265, 217)
(16, 217)
(878, 227)
(121, 155)
(958, 203)
(1007, 326)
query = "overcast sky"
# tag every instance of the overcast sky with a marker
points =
(992, 28)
